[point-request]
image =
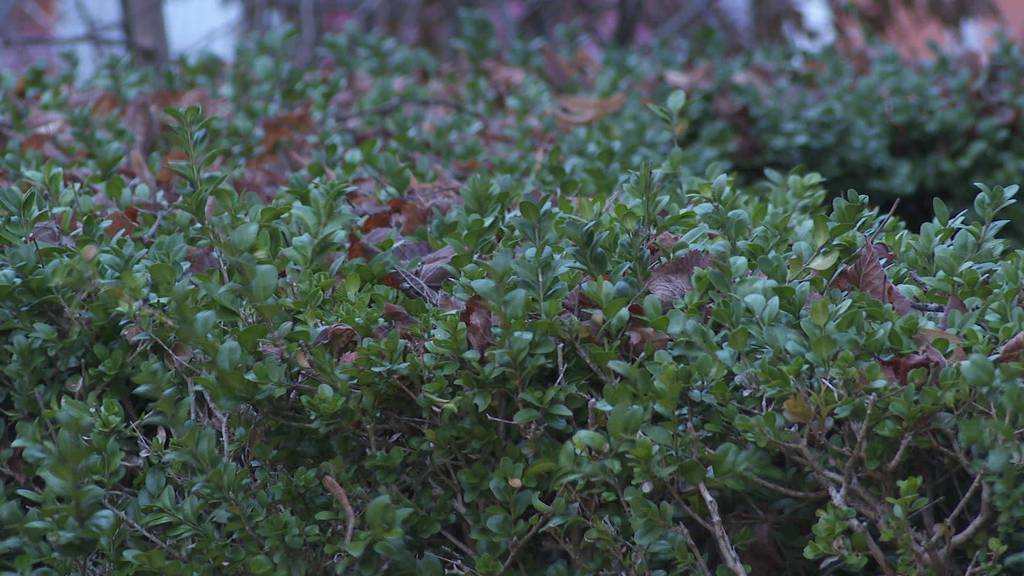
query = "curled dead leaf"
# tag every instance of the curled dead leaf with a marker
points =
(478, 319)
(642, 337)
(397, 314)
(123, 220)
(201, 260)
(49, 232)
(925, 337)
(868, 275)
(900, 367)
(672, 280)
(699, 76)
(505, 77)
(337, 336)
(180, 355)
(579, 110)
(1011, 350)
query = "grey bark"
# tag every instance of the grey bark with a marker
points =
(144, 30)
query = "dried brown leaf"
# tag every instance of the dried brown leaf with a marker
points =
(337, 336)
(699, 76)
(926, 336)
(1011, 350)
(867, 275)
(579, 110)
(201, 260)
(399, 315)
(641, 337)
(478, 319)
(672, 280)
(123, 220)
(49, 232)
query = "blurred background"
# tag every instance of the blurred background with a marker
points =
(155, 31)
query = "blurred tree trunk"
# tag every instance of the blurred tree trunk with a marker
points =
(145, 31)
(254, 14)
(628, 18)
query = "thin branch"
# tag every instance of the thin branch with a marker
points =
(838, 499)
(786, 491)
(342, 497)
(459, 543)
(517, 544)
(926, 307)
(885, 222)
(986, 510)
(148, 535)
(702, 566)
(729, 556)
(898, 457)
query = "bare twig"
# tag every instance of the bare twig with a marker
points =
(729, 556)
(885, 222)
(983, 514)
(342, 497)
(702, 566)
(898, 457)
(458, 543)
(585, 356)
(785, 491)
(146, 533)
(838, 499)
(517, 544)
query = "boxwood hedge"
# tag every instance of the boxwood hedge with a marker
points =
(398, 316)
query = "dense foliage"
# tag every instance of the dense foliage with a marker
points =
(871, 122)
(393, 316)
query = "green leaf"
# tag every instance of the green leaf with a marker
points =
(526, 415)
(380, 514)
(625, 421)
(824, 261)
(244, 236)
(820, 311)
(264, 283)
(261, 564)
(590, 439)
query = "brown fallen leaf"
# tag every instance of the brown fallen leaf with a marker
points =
(201, 260)
(287, 127)
(126, 220)
(49, 232)
(180, 354)
(899, 368)
(953, 303)
(672, 280)
(578, 110)
(1011, 350)
(504, 77)
(867, 275)
(434, 269)
(641, 337)
(397, 314)
(478, 319)
(699, 76)
(926, 336)
(337, 336)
